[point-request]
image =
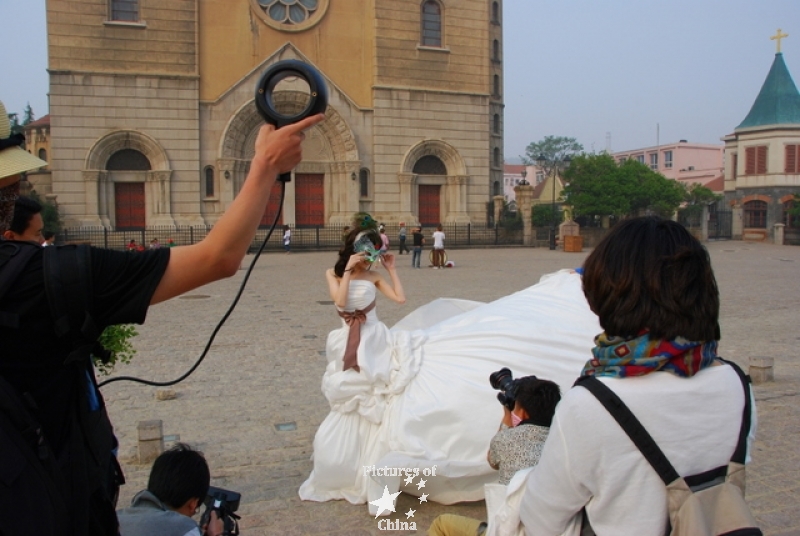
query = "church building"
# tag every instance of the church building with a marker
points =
(153, 119)
(762, 159)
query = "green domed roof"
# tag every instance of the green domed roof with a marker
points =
(778, 102)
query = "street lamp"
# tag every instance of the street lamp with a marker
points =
(524, 174)
(564, 162)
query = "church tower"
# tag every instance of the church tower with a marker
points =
(762, 159)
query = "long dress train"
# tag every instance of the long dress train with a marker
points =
(422, 398)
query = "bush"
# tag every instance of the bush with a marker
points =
(117, 340)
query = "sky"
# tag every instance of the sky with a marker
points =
(613, 74)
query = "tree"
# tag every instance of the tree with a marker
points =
(50, 215)
(16, 128)
(696, 197)
(27, 116)
(652, 192)
(555, 149)
(598, 186)
(117, 340)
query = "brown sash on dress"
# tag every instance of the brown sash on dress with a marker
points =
(354, 319)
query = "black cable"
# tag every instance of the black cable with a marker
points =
(221, 322)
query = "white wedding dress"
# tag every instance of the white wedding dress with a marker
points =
(422, 398)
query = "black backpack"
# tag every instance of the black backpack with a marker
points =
(31, 480)
(709, 504)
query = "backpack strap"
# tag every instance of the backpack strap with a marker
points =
(68, 283)
(631, 425)
(740, 453)
(647, 445)
(14, 257)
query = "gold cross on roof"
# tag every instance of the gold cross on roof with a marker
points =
(777, 37)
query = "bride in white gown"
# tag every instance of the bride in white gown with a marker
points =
(421, 398)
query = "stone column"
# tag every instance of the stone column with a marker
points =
(704, 224)
(524, 193)
(158, 199)
(498, 208)
(737, 222)
(779, 230)
(94, 194)
(407, 182)
(457, 186)
(227, 191)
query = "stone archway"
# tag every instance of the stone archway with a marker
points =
(329, 149)
(453, 183)
(99, 182)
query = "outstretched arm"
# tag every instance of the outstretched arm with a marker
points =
(220, 253)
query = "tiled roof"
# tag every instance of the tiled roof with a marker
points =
(778, 102)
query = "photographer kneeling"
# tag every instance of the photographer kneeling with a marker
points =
(178, 485)
(528, 404)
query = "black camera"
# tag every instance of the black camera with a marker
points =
(503, 381)
(225, 503)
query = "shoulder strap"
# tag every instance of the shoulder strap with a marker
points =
(14, 257)
(631, 425)
(68, 283)
(740, 453)
(645, 442)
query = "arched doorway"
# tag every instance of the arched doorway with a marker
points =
(127, 177)
(128, 167)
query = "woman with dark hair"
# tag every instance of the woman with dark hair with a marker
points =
(651, 285)
(361, 369)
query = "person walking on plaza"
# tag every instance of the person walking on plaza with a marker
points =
(401, 238)
(418, 242)
(438, 248)
(287, 239)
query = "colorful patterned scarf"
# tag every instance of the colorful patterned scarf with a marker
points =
(618, 357)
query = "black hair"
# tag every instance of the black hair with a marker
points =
(24, 209)
(652, 274)
(178, 475)
(48, 235)
(348, 249)
(538, 398)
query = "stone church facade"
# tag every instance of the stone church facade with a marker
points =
(153, 117)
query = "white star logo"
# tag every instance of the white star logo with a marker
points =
(421, 484)
(423, 498)
(410, 513)
(409, 480)
(386, 502)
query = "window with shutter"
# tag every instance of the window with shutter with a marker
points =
(750, 160)
(792, 157)
(761, 159)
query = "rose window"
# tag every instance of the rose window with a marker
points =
(289, 11)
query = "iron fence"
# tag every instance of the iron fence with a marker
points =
(328, 237)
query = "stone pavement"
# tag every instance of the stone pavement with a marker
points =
(266, 364)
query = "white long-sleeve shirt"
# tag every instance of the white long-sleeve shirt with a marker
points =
(588, 460)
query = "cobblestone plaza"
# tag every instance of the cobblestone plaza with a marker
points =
(263, 374)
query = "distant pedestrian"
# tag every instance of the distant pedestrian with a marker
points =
(287, 238)
(155, 244)
(438, 248)
(417, 241)
(384, 240)
(401, 238)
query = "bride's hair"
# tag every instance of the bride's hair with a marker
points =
(362, 223)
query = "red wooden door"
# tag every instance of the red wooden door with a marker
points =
(309, 203)
(272, 206)
(129, 205)
(429, 204)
